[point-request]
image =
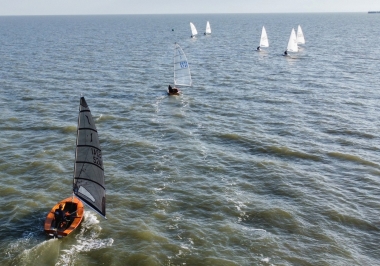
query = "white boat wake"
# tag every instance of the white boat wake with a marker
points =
(86, 240)
(30, 251)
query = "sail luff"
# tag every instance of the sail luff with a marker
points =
(88, 180)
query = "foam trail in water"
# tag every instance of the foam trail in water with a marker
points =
(87, 240)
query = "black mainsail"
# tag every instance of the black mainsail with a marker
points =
(88, 182)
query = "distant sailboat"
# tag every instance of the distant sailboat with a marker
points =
(208, 28)
(292, 43)
(194, 31)
(182, 75)
(88, 181)
(263, 39)
(300, 37)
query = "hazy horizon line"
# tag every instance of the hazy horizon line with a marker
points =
(222, 13)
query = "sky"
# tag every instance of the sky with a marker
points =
(95, 7)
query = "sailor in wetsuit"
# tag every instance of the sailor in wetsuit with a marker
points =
(59, 216)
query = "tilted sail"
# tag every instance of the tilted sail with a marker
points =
(292, 44)
(193, 29)
(208, 28)
(300, 37)
(88, 183)
(182, 75)
(264, 38)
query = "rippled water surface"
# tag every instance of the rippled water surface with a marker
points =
(265, 160)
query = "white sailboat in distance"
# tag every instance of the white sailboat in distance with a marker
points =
(300, 37)
(208, 28)
(194, 31)
(263, 39)
(182, 75)
(292, 43)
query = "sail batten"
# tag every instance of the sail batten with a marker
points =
(88, 180)
(87, 128)
(88, 146)
(83, 162)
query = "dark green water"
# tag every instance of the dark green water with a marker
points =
(265, 160)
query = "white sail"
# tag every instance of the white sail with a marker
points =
(182, 75)
(88, 183)
(300, 37)
(292, 44)
(194, 31)
(208, 28)
(264, 38)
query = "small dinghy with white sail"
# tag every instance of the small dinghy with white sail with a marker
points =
(88, 180)
(263, 39)
(292, 43)
(300, 36)
(208, 28)
(194, 31)
(182, 75)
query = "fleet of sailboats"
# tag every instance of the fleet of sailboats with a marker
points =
(88, 180)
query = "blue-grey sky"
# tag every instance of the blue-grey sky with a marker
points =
(84, 7)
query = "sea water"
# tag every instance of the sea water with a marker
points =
(265, 160)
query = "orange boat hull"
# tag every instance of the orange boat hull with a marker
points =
(72, 206)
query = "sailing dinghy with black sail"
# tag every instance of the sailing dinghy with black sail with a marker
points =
(182, 75)
(88, 181)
